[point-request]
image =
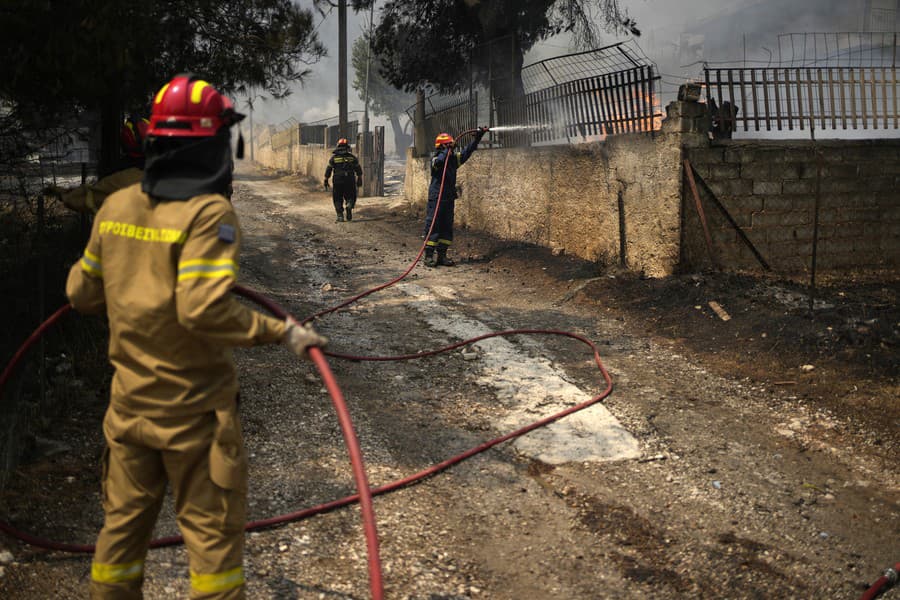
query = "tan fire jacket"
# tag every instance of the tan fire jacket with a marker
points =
(88, 198)
(164, 270)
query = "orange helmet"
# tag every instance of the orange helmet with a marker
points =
(443, 139)
(343, 142)
(190, 107)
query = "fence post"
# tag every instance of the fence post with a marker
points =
(419, 141)
(42, 291)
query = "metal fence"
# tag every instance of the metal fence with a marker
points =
(452, 114)
(593, 107)
(809, 97)
(827, 81)
(566, 99)
(328, 131)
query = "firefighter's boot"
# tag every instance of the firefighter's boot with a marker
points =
(430, 261)
(442, 258)
(349, 213)
(340, 217)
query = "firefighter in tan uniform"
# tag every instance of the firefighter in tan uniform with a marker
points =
(161, 261)
(87, 198)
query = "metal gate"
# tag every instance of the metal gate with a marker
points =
(371, 151)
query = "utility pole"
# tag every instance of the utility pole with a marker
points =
(366, 145)
(342, 67)
(250, 103)
(368, 68)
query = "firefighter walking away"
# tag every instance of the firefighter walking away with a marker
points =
(161, 261)
(347, 177)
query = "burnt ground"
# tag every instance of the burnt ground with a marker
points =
(767, 443)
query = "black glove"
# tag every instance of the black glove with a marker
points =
(326, 184)
(359, 182)
(480, 133)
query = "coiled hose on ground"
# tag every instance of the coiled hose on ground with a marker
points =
(365, 492)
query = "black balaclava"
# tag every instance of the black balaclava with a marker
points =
(179, 168)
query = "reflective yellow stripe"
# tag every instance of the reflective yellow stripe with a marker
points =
(197, 91)
(117, 573)
(160, 93)
(445, 242)
(91, 263)
(218, 582)
(197, 268)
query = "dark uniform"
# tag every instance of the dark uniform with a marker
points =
(441, 236)
(347, 177)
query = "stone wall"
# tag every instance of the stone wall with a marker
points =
(567, 197)
(769, 189)
(283, 152)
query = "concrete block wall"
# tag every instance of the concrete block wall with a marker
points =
(769, 189)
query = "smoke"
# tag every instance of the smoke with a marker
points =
(317, 97)
(679, 36)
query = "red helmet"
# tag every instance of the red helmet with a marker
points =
(132, 135)
(443, 139)
(343, 142)
(190, 107)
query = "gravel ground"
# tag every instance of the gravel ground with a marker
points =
(719, 466)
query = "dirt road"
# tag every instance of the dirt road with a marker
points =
(720, 466)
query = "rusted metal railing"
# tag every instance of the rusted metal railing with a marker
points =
(823, 97)
(625, 101)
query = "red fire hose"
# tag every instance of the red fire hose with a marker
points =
(365, 493)
(883, 583)
(349, 436)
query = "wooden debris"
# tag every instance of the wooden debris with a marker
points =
(717, 308)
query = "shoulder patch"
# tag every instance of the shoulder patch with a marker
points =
(226, 233)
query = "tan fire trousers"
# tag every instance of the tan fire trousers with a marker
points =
(203, 458)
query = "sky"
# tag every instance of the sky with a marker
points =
(724, 29)
(317, 97)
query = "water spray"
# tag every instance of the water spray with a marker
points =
(503, 128)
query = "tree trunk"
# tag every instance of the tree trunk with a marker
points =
(401, 139)
(110, 126)
(504, 59)
(504, 50)
(421, 143)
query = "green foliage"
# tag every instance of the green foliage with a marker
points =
(435, 43)
(355, 5)
(62, 56)
(385, 99)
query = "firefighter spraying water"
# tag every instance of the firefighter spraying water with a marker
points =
(442, 195)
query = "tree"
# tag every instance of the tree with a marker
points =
(385, 99)
(434, 43)
(355, 5)
(111, 56)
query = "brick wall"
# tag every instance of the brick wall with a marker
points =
(769, 189)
